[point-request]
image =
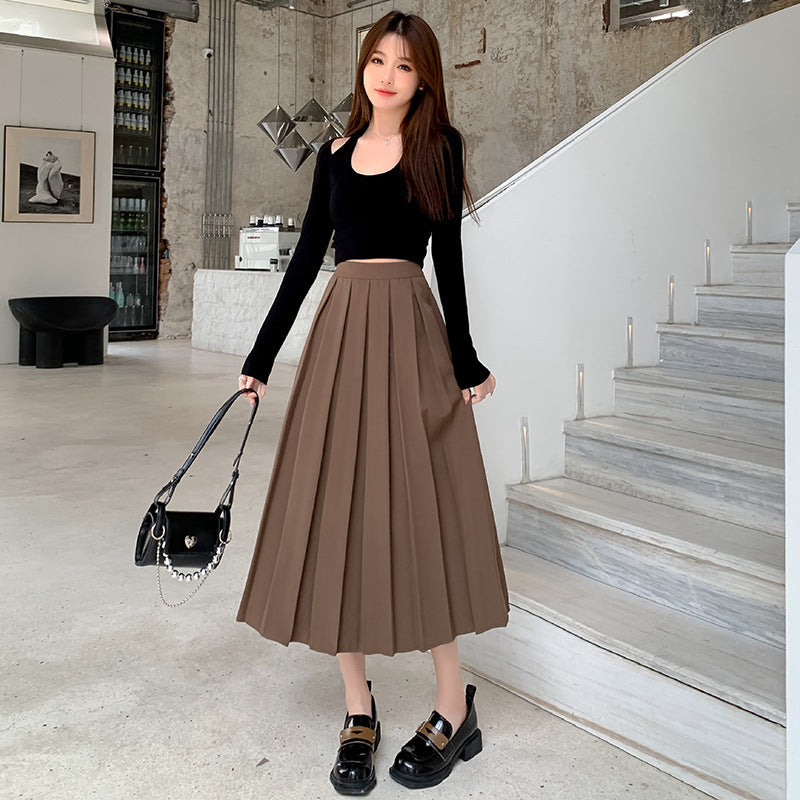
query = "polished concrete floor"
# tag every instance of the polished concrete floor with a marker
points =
(106, 693)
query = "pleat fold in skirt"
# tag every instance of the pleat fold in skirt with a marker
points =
(377, 533)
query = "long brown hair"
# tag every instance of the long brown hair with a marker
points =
(426, 148)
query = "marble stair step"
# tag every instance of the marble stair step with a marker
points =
(760, 263)
(689, 697)
(735, 668)
(742, 409)
(714, 570)
(737, 482)
(740, 306)
(744, 353)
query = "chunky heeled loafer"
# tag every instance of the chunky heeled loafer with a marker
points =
(354, 770)
(429, 756)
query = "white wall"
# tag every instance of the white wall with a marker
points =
(792, 399)
(589, 233)
(51, 89)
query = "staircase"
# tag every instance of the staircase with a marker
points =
(647, 583)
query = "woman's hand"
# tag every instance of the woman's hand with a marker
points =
(487, 387)
(246, 382)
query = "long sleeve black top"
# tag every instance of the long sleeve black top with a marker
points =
(372, 218)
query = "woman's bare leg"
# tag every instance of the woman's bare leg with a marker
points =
(450, 699)
(356, 691)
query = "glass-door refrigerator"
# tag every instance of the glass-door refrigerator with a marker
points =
(138, 42)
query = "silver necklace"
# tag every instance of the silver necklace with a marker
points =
(386, 141)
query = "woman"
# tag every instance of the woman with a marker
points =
(377, 534)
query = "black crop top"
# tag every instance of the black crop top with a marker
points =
(372, 218)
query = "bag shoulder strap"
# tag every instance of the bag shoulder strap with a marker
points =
(227, 495)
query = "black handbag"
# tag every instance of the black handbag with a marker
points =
(190, 539)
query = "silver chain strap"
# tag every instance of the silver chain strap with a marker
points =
(198, 575)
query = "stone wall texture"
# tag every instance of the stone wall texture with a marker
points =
(231, 304)
(543, 70)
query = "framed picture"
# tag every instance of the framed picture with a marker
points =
(48, 175)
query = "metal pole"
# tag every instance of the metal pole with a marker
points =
(629, 343)
(526, 476)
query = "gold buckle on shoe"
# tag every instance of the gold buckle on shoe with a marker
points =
(434, 735)
(357, 732)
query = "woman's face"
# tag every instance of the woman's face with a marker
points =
(390, 77)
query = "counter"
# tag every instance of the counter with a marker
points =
(230, 305)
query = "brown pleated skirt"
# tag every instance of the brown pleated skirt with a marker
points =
(377, 533)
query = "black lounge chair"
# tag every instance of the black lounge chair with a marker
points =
(58, 330)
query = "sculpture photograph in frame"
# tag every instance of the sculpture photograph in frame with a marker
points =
(48, 175)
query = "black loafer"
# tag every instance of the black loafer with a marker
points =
(354, 770)
(429, 756)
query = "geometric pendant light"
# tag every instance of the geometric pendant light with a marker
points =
(277, 124)
(294, 150)
(312, 117)
(341, 113)
(312, 111)
(310, 120)
(327, 133)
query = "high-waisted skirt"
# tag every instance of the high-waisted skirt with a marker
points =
(377, 533)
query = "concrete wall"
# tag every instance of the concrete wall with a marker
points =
(262, 183)
(50, 89)
(548, 68)
(592, 230)
(184, 169)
